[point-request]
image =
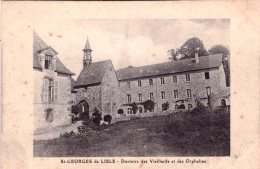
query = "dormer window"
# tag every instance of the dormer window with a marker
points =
(48, 61)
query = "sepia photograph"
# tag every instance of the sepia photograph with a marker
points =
(132, 88)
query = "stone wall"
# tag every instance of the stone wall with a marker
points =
(197, 84)
(61, 108)
(110, 93)
(92, 95)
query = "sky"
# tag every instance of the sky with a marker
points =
(128, 42)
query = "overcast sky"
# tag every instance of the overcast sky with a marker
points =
(128, 42)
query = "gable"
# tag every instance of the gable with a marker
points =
(94, 73)
(39, 47)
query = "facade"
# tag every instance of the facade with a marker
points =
(178, 84)
(52, 87)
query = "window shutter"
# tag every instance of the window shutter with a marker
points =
(56, 90)
(45, 89)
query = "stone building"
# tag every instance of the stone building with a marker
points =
(97, 86)
(177, 84)
(52, 87)
(174, 83)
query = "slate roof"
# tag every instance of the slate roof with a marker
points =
(38, 46)
(205, 62)
(94, 73)
(87, 46)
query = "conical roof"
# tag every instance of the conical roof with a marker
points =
(87, 46)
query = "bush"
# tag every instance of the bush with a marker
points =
(107, 118)
(75, 109)
(134, 108)
(148, 105)
(97, 116)
(96, 121)
(200, 107)
(165, 106)
(182, 106)
(120, 111)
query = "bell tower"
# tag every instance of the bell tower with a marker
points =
(87, 58)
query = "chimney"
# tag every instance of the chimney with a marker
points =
(196, 57)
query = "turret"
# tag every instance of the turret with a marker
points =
(87, 58)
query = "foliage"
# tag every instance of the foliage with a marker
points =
(176, 134)
(219, 49)
(134, 108)
(148, 105)
(107, 118)
(165, 106)
(75, 109)
(96, 120)
(97, 116)
(173, 54)
(182, 106)
(83, 116)
(200, 107)
(120, 111)
(192, 46)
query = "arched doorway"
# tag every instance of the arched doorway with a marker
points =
(83, 110)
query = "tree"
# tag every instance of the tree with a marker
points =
(107, 118)
(75, 109)
(173, 54)
(165, 106)
(219, 49)
(120, 111)
(134, 107)
(148, 105)
(192, 46)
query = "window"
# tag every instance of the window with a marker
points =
(174, 78)
(140, 97)
(50, 90)
(129, 111)
(150, 82)
(187, 78)
(129, 98)
(49, 115)
(208, 89)
(151, 96)
(176, 107)
(189, 106)
(162, 80)
(175, 94)
(206, 75)
(128, 84)
(48, 61)
(139, 83)
(188, 93)
(163, 95)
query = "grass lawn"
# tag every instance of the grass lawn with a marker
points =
(206, 134)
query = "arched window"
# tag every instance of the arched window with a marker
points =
(129, 111)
